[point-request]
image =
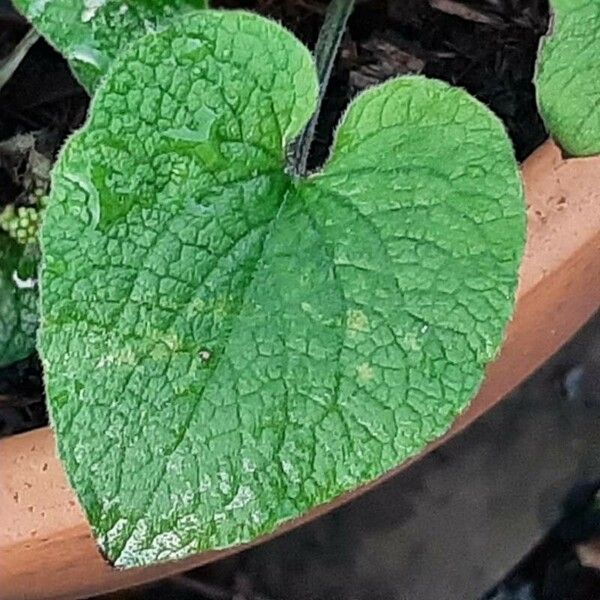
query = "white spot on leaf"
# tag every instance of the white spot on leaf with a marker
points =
(91, 7)
(357, 320)
(204, 355)
(24, 284)
(248, 465)
(365, 372)
(243, 496)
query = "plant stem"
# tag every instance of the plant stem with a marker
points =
(10, 64)
(326, 50)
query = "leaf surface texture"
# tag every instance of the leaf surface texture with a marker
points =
(90, 33)
(568, 76)
(227, 347)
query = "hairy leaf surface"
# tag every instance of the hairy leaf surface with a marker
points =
(90, 33)
(568, 77)
(18, 300)
(226, 346)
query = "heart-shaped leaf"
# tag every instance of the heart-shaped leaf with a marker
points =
(18, 300)
(90, 33)
(227, 346)
(568, 76)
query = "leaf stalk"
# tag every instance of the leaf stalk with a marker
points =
(326, 49)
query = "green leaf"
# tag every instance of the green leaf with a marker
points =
(568, 76)
(18, 300)
(91, 33)
(227, 346)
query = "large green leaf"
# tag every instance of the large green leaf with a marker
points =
(227, 346)
(90, 33)
(18, 300)
(568, 77)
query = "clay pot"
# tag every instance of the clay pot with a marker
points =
(46, 548)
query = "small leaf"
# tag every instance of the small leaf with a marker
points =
(227, 346)
(90, 33)
(18, 300)
(568, 76)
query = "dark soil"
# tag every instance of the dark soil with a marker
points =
(21, 397)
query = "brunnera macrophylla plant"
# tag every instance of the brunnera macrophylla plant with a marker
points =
(226, 345)
(568, 76)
